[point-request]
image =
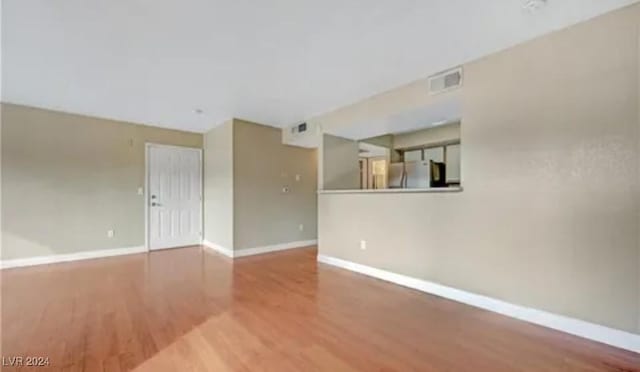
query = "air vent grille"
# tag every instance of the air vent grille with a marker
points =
(445, 81)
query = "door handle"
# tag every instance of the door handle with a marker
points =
(154, 204)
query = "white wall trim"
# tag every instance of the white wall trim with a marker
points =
(218, 248)
(581, 328)
(258, 250)
(56, 258)
(274, 248)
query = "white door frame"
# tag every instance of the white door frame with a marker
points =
(147, 146)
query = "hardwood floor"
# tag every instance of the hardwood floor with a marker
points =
(193, 310)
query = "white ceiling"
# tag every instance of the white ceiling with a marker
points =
(277, 62)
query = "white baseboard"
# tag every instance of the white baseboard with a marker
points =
(56, 258)
(274, 248)
(257, 250)
(218, 248)
(581, 328)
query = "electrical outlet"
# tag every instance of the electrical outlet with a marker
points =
(110, 233)
(363, 244)
(301, 227)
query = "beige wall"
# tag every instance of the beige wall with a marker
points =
(638, 174)
(246, 167)
(383, 141)
(263, 213)
(550, 210)
(412, 97)
(428, 136)
(68, 179)
(340, 167)
(218, 185)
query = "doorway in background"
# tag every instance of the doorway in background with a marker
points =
(173, 197)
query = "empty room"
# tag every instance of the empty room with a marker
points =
(298, 185)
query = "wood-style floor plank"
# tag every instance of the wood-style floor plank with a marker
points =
(192, 310)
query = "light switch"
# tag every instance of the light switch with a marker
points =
(297, 177)
(140, 191)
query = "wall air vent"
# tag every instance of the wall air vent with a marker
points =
(445, 81)
(302, 135)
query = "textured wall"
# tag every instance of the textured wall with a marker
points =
(263, 214)
(340, 167)
(218, 185)
(429, 136)
(67, 179)
(549, 214)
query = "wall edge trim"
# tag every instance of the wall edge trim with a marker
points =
(235, 253)
(274, 247)
(217, 248)
(68, 257)
(595, 332)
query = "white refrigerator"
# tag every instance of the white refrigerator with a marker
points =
(417, 174)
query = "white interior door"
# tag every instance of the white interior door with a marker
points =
(175, 196)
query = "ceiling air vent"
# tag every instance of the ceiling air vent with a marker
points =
(445, 81)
